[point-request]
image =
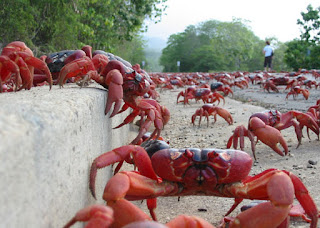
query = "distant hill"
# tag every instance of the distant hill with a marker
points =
(155, 43)
(153, 52)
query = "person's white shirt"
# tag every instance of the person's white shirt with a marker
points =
(267, 50)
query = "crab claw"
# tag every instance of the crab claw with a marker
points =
(268, 135)
(114, 80)
(215, 96)
(280, 187)
(95, 215)
(80, 67)
(140, 157)
(225, 114)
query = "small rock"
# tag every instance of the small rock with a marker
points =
(297, 166)
(309, 166)
(311, 162)
(202, 210)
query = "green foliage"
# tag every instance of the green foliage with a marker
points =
(213, 46)
(310, 24)
(305, 53)
(54, 25)
(132, 51)
(302, 54)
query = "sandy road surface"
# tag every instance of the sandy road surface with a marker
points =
(182, 134)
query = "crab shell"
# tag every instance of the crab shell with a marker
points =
(195, 167)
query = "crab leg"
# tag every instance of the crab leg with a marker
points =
(134, 186)
(279, 187)
(200, 112)
(239, 133)
(8, 67)
(36, 63)
(215, 96)
(96, 216)
(25, 74)
(306, 120)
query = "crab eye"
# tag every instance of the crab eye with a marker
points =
(147, 84)
(138, 77)
(273, 112)
(188, 153)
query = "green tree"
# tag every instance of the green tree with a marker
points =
(212, 46)
(310, 25)
(16, 24)
(304, 52)
(54, 25)
(297, 55)
(132, 51)
(171, 53)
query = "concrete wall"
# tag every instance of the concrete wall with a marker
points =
(48, 140)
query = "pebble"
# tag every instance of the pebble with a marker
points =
(202, 210)
(297, 166)
(312, 162)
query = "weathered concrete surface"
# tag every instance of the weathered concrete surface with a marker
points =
(48, 140)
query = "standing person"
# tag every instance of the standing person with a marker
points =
(268, 53)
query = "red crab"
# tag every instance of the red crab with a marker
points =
(18, 61)
(192, 171)
(309, 83)
(258, 78)
(212, 110)
(219, 86)
(125, 84)
(196, 93)
(267, 126)
(272, 83)
(241, 83)
(295, 91)
(102, 216)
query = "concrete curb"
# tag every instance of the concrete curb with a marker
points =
(48, 140)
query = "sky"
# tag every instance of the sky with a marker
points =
(272, 18)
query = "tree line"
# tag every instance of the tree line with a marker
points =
(54, 25)
(231, 46)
